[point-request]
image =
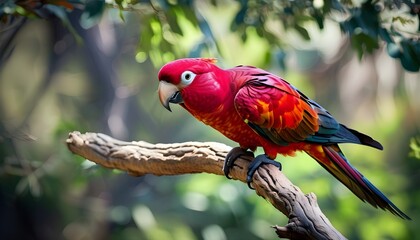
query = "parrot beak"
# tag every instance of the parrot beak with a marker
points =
(168, 93)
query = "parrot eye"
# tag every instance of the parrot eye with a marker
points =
(187, 77)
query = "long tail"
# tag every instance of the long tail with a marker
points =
(333, 160)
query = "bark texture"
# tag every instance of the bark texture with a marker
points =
(306, 220)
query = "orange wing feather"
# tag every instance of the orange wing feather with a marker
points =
(276, 110)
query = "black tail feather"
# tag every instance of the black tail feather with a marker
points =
(364, 139)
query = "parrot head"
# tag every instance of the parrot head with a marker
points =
(195, 83)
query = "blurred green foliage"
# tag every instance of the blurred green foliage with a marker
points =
(367, 23)
(415, 147)
(91, 66)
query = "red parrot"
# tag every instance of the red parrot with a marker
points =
(256, 108)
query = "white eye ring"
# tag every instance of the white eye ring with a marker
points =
(187, 78)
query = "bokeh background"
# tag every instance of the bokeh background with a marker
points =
(92, 66)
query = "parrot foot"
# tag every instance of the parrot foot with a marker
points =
(234, 154)
(256, 163)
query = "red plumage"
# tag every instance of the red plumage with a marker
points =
(258, 109)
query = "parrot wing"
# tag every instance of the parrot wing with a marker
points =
(282, 114)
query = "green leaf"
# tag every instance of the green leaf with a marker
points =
(260, 32)
(415, 147)
(61, 14)
(302, 31)
(172, 19)
(385, 35)
(393, 50)
(92, 13)
(402, 20)
(244, 36)
(349, 26)
(190, 15)
(409, 59)
(319, 18)
(363, 42)
(368, 19)
(239, 19)
(146, 33)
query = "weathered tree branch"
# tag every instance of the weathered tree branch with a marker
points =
(306, 221)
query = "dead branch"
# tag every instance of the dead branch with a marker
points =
(306, 221)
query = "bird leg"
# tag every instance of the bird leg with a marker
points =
(231, 157)
(256, 163)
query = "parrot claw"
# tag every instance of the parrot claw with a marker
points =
(256, 163)
(232, 155)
